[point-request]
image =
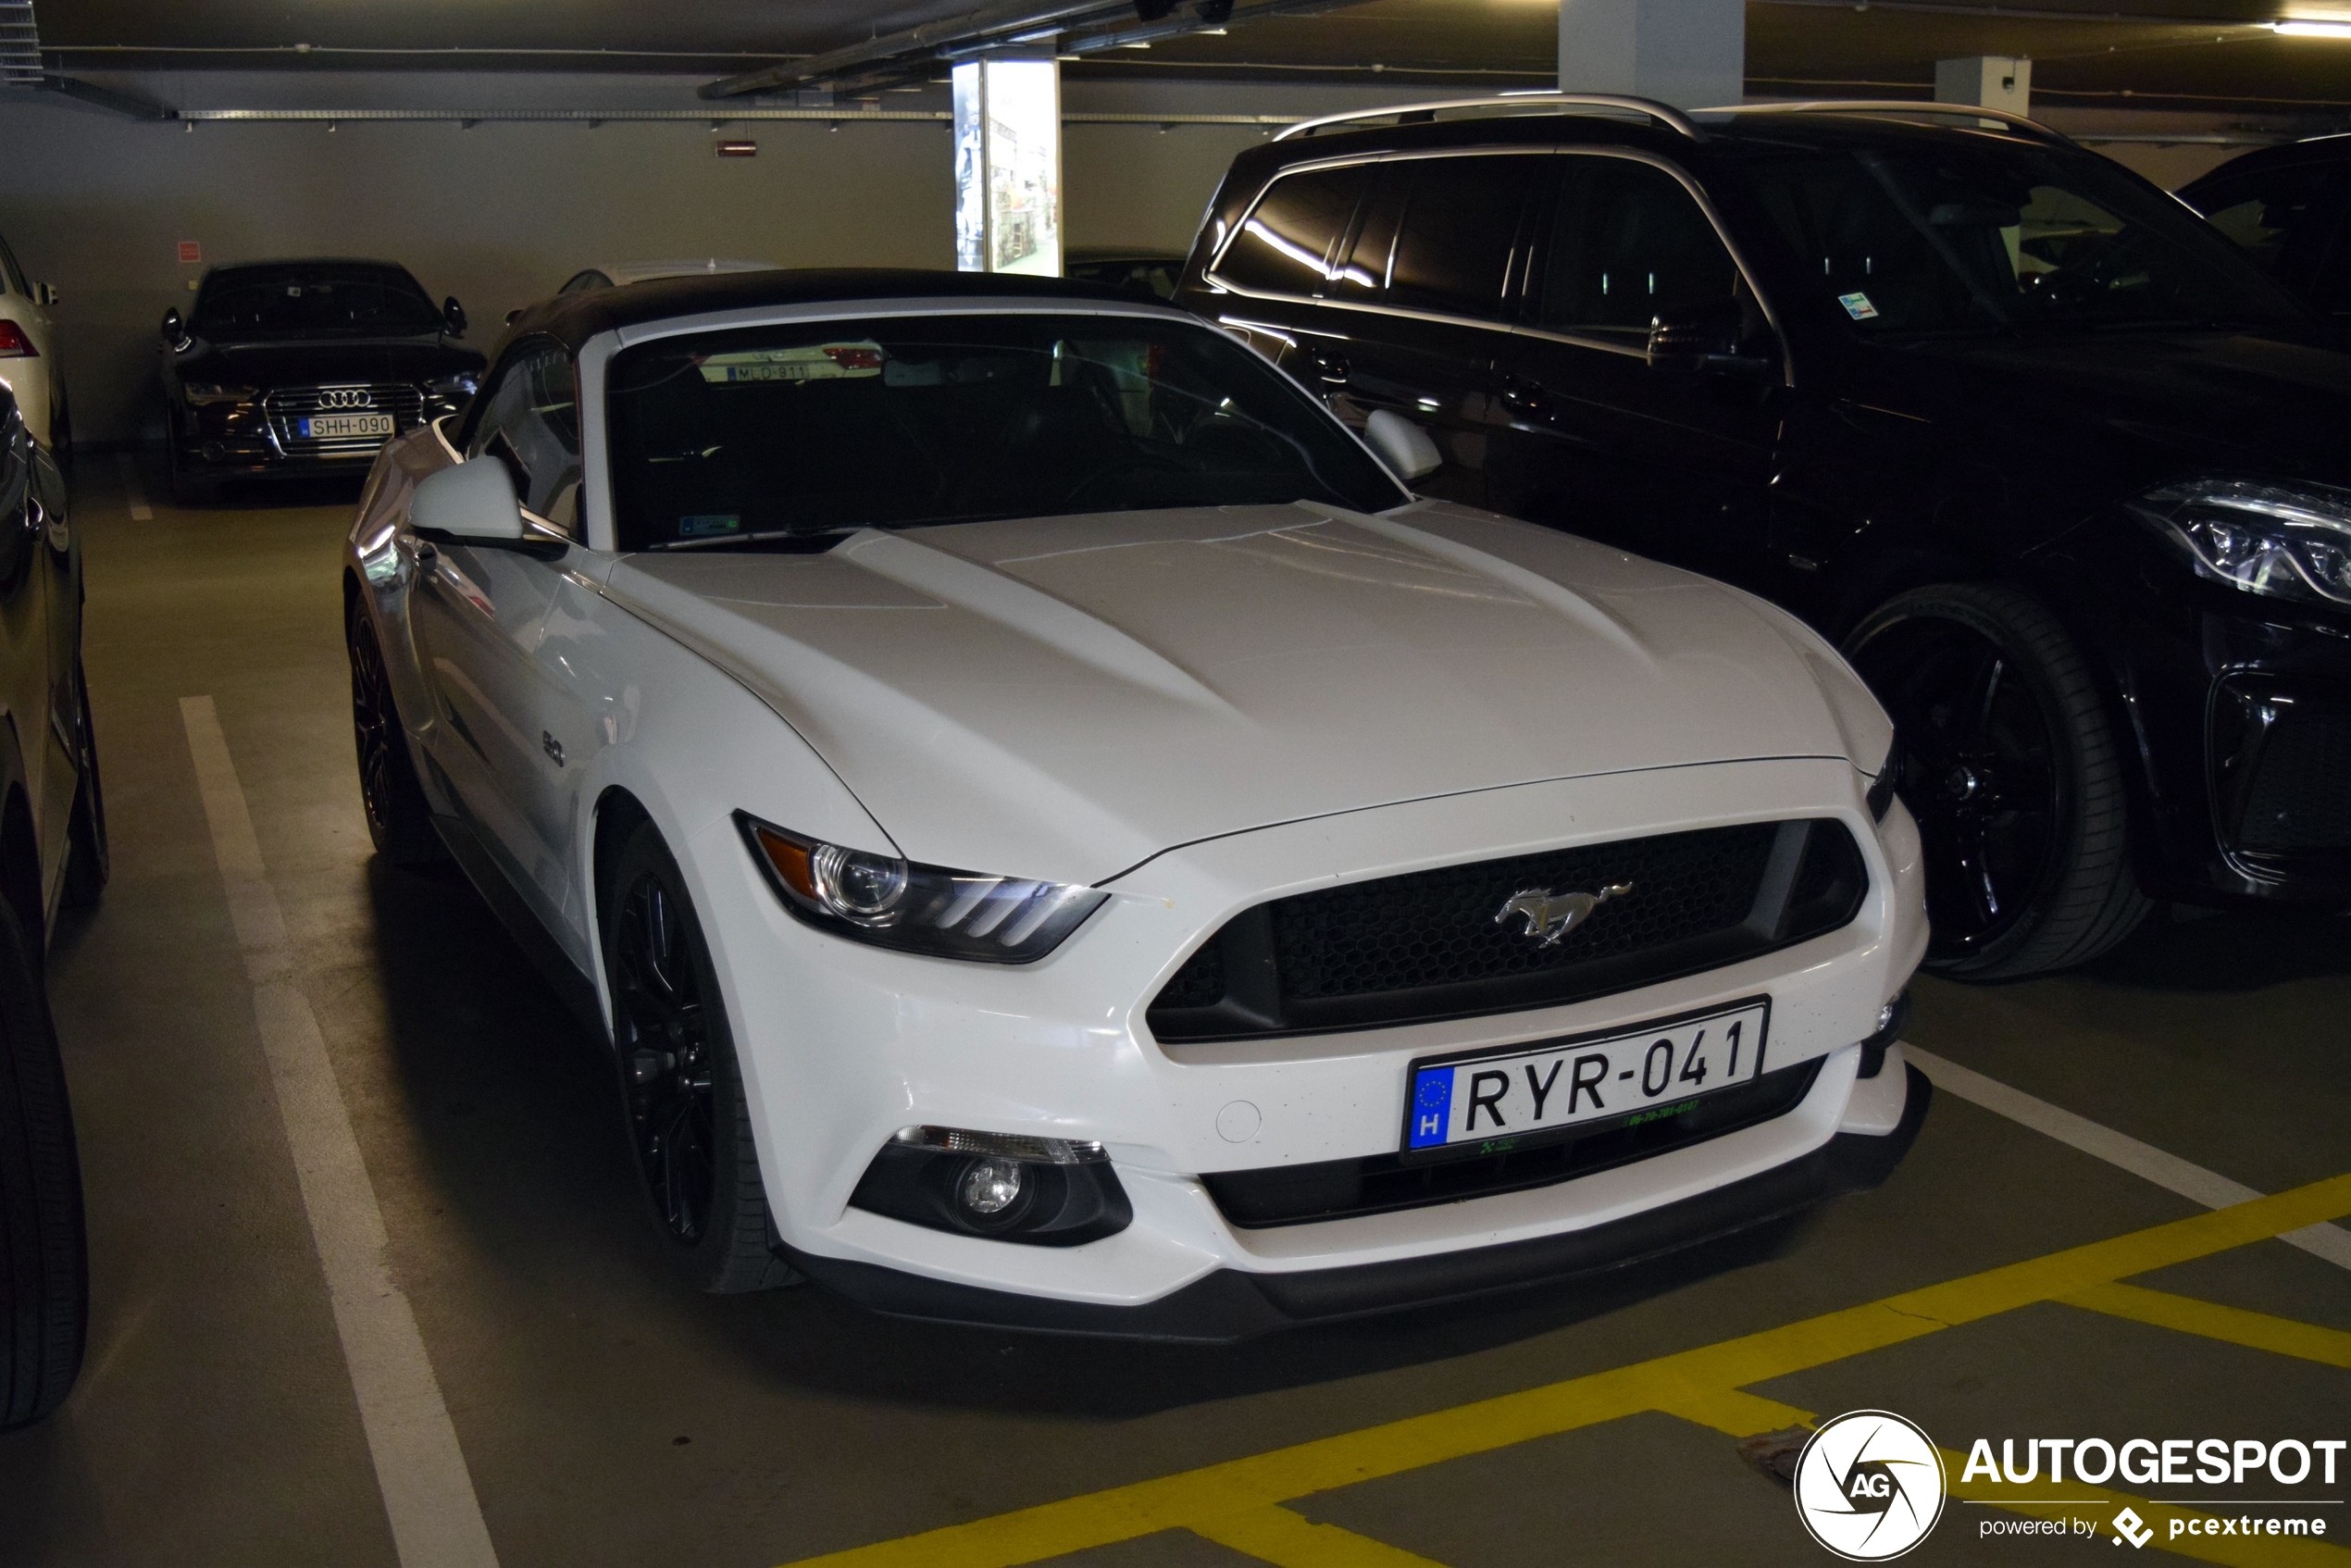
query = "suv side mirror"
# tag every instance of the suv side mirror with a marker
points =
(453, 317)
(1402, 446)
(1714, 338)
(175, 331)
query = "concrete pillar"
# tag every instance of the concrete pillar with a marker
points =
(1691, 54)
(1008, 165)
(1990, 82)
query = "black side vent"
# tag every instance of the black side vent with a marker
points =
(1436, 944)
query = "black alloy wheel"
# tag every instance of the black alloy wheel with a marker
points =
(665, 1059)
(2009, 765)
(688, 1120)
(399, 821)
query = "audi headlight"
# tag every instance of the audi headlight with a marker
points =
(925, 909)
(213, 392)
(2289, 543)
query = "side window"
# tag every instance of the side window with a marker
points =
(11, 275)
(2280, 217)
(1630, 246)
(531, 422)
(1284, 246)
(1453, 242)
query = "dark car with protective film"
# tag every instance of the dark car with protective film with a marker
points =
(300, 368)
(2059, 468)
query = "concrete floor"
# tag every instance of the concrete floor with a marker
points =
(607, 1416)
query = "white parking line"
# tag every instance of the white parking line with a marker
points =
(134, 494)
(427, 1493)
(2142, 1159)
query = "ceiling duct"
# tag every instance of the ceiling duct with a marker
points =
(1071, 27)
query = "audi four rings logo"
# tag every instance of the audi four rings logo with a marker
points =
(347, 397)
(1868, 1486)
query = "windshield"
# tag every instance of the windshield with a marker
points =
(770, 433)
(312, 301)
(2001, 237)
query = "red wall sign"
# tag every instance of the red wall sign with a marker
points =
(190, 250)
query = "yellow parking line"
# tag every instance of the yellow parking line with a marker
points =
(1281, 1538)
(1696, 1379)
(2240, 1550)
(2259, 1331)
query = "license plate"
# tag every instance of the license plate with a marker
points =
(335, 427)
(1656, 1071)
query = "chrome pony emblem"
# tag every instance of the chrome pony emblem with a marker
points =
(347, 397)
(1552, 918)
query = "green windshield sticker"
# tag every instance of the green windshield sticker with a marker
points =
(708, 523)
(1857, 306)
(806, 362)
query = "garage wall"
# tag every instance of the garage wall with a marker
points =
(500, 213)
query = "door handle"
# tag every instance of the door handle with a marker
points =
(1523, 396)
(1332, 369)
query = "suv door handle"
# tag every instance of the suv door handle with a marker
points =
(1523, 396)
(1332, 369)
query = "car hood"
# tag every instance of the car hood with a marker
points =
(1066, 697)
(308, 362)
(2158, 403)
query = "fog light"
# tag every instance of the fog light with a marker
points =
(989, 1187)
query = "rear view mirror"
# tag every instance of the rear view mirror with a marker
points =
(453, 317)
(1402, 446)
(175, 331)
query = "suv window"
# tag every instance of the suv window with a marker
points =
(1996, 239)
(1440, 236)
(1286, 241)
(1630, 246)
(2277, 215)
(531, 422)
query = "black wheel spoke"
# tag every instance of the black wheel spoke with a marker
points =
(664, 1058)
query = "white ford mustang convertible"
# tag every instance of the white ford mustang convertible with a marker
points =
(1056, 835)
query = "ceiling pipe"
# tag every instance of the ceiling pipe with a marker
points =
(989, 23)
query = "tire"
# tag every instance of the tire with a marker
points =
(681, 1092)
(2009, 763)
(88, 862)
(45, 1286)
(189, 490)
(399, 821)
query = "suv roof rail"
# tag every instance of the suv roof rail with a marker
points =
(1894, 106)
(1664, 114)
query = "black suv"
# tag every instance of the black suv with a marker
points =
(2062, 472)
(2286, 206)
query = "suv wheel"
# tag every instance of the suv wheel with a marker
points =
(2010, 767)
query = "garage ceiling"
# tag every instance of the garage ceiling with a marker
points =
(2167, 53)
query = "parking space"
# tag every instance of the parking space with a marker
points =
(2012, 1280)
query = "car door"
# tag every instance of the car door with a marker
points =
(25, 678)
(1642, 383)
(1270, 273)
(2288, 220)
(491, 625)
(1421, 291)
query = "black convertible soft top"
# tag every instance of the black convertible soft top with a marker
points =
(573, 319)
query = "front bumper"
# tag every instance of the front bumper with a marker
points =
(842, 1045)
(1238, 1304)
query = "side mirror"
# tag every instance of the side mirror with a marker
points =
(453, 317)
(175, 331)
(1712, 338)
(471, 503)
(1402, 446)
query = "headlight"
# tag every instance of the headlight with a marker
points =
(1888, 779)
(453, 389)
(925, 909)
(211, 391)
(2288, 542)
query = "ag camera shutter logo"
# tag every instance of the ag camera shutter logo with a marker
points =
(1868, 1486)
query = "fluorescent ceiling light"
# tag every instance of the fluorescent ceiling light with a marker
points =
(2311, 30)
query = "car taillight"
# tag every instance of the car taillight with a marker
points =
(14, 344)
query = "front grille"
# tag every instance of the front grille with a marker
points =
(2299, 795)
(1428, 944)
(1381, 1183)
(287, 406)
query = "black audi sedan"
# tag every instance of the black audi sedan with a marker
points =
(2063, 474)
(305, 367)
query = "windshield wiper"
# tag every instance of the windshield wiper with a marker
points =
(771, 536)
